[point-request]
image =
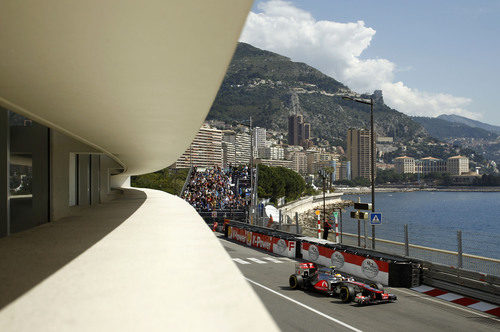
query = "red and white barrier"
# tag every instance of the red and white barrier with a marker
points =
(266, 242)
(468, 302)
(355, 265)
(319, 226)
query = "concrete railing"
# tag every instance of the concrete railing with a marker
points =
(308, 203)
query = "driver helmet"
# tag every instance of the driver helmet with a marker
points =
(338, 275)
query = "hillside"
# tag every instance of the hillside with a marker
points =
(444, 129)
(261, 84)
(469, 122)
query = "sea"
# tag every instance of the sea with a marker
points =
(434, 218)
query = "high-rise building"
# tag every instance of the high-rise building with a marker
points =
(307, 130)
(204, 151)
(298, 130)
(228, 154)
(259, 137)
(358, 152)
(243, 149)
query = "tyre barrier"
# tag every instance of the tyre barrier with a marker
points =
(370, 265)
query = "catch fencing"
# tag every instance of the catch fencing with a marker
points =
(409, 241)
(210, 217)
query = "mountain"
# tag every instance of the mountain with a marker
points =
(444, 129)
(269, 87)
(471, 123)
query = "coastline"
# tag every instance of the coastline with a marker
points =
(367, 190)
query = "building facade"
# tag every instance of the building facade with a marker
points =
(457, 165)
(272, 152)
(300, 162)
(404, 164)
(431, 165)
(259, 137)
(204, 151)
(359, 152)
(299, 132)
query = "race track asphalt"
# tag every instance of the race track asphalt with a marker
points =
(295, 310)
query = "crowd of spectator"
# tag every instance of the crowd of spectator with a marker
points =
(217, 188)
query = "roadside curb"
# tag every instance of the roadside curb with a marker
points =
(468, 302)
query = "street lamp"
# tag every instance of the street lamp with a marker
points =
(372, 157)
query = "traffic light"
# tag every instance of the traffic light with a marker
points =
(363, 206)
(363, 215)
(359, 215)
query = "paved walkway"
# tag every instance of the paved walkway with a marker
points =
(145, 261)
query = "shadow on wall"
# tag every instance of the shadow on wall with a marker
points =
(29, 257)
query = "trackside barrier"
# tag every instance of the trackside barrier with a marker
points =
(261, 239)
(476, 285)
(387, 269)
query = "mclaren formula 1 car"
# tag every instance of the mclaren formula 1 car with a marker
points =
(328, 281)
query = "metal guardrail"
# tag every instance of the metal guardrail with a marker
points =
(473, 284)
(440, 267)
(482, 286)
(474, 263)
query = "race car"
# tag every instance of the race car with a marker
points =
(363, 294)
(324, 279)
(328, 281)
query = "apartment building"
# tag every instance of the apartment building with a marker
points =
(457, 165)
(359, 152)
(299, 160)
(272, 152)
(259, 137)
(404, 164)
(429, 165)
(204, 151)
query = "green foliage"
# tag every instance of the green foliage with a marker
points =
(276, 182)
(169, 180)
(488, 180)
(356, 182)
(258, 84)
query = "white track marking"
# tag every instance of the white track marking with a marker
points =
(286, 259)
(482, 306)
(241, 261)
(456, 306)
(272, 259)
(422, 288)
(256, 260)
(305, 306)
(450, 296)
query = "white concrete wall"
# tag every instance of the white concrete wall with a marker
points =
(128, 266)
(310, 203)
(61, 148)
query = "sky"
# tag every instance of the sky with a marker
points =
(428, 57)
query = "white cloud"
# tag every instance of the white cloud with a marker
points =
(335, 49)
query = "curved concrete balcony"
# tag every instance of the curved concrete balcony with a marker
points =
(145, 261)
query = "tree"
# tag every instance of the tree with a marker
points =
(276, 182)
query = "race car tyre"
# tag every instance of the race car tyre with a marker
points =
(377, 285)
(346, 293)
(296, 281)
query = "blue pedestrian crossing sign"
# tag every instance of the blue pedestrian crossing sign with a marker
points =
(376, 218)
